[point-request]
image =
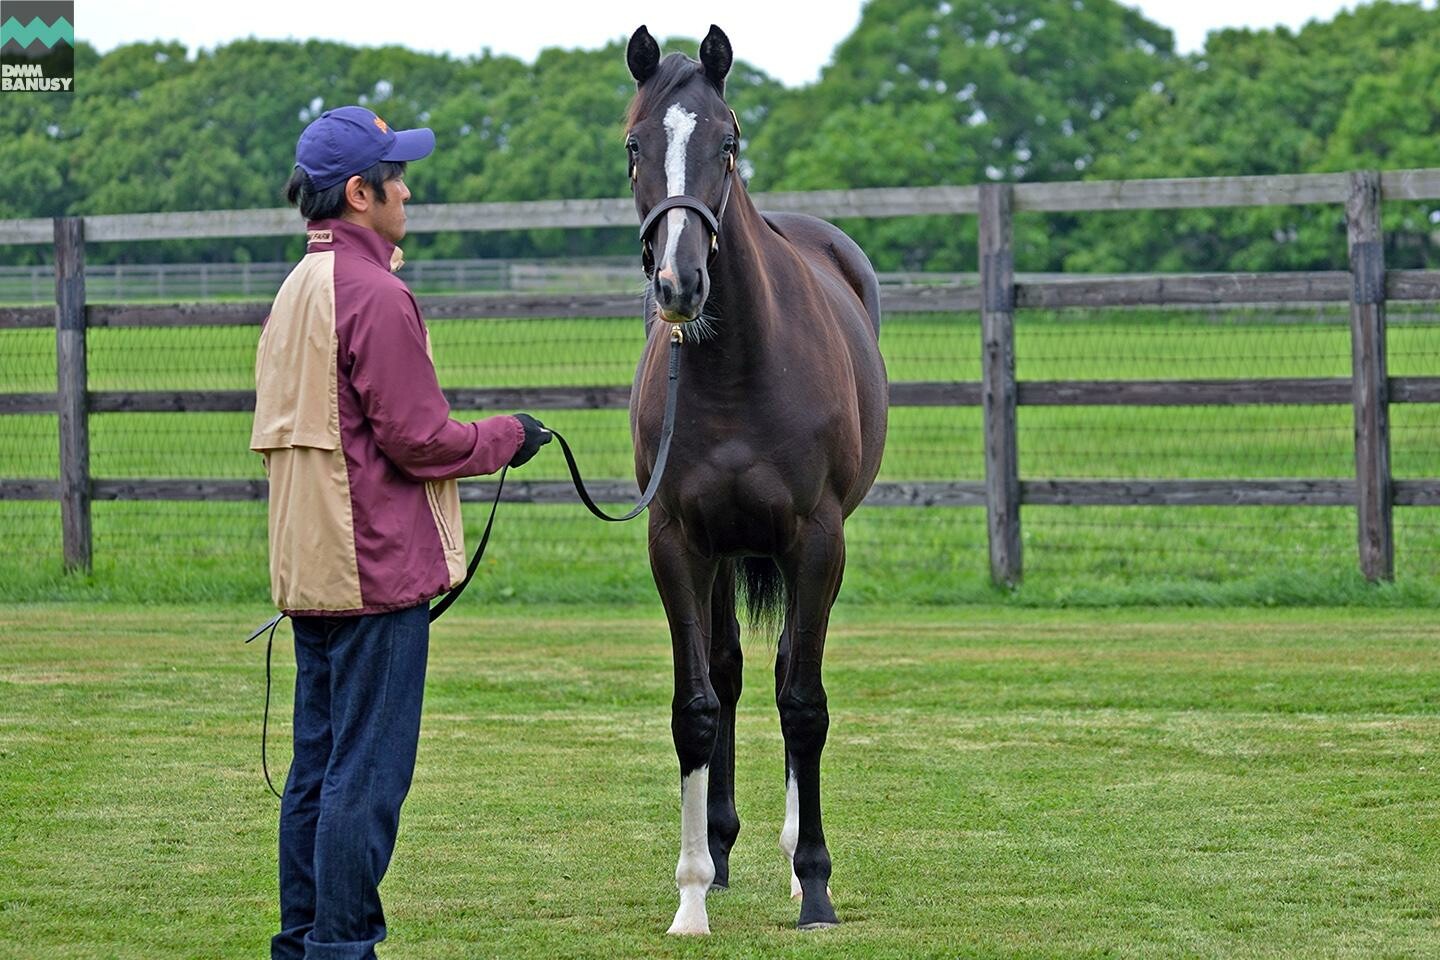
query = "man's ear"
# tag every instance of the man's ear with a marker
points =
(357, 194)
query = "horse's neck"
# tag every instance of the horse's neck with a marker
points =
(745, 299)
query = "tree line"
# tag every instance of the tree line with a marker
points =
(923, 92)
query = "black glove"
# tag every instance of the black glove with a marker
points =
(536, 436)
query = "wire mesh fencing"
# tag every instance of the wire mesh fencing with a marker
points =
(1280, 551)
(934, 554)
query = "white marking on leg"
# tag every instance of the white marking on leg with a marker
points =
(695, 871)
(679, 125)
(790, 833)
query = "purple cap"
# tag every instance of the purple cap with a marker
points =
(350, 140)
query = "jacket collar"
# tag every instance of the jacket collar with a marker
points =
(342, 235)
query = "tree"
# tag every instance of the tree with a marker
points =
(956, 92)
(1392, 121)
(1256, 103)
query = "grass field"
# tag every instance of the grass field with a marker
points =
(1095, 555)
(999, 783)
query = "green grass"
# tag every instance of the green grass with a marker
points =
(998, 783)
(1073, 555)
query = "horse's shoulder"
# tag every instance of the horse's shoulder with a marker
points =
(827, 246)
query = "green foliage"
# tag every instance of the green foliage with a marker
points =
(931, 92)
(1270, 102)
(922, 92)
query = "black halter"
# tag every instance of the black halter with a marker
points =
(684, 201)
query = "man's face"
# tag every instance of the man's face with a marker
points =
(389, 216)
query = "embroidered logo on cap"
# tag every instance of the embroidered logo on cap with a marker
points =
(381, 124)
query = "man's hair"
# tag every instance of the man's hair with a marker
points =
(329, 204)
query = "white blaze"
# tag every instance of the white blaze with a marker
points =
(695, 871)
(679, 125)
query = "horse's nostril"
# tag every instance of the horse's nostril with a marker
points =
(664, 291)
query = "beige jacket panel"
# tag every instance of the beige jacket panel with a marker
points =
(297, 353)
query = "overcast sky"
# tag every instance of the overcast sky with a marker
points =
(789, 41)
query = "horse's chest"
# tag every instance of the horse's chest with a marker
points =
(737, 499)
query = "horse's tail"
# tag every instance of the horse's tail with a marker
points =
(763, 588)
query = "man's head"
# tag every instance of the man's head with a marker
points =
(343, 163)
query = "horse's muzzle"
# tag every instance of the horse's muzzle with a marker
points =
(680, 298)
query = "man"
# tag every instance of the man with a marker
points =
(365, 528)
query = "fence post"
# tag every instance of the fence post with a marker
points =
(997, 328)
(70, 391)
(1369, 378)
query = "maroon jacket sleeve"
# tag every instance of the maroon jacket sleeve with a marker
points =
(395, 380)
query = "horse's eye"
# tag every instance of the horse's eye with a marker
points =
(632, 145)
(729, 144)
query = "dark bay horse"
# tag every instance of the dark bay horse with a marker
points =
(780, 427)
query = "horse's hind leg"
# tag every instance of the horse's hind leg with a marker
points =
(790, 832)
(814, 569)
(685, 581)
(726, 669)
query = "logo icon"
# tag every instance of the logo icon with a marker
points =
(37, 46)
(381, 124)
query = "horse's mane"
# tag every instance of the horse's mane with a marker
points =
(674, 72)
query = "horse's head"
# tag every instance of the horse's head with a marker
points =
(682, 140)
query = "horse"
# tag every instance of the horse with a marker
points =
(779, 431)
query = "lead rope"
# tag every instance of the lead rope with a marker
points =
(667, 430)
(270, 625)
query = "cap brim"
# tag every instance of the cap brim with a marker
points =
(411, 145)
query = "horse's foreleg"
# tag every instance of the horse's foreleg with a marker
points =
(684, 581)
(726, 669)
(815, 569)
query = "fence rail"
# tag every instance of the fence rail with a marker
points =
(1367, 286)
(188, 281)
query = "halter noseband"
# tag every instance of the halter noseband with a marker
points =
(685, 201)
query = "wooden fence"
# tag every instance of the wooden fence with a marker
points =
(1366, 286)
(191, 281)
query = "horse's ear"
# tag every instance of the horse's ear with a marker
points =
(716, 57)
(643, 55)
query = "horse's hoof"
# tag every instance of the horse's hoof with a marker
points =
(701, 932)
(817, 913)
(722, 876)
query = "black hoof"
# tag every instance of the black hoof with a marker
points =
(816, 913)
(722, 872)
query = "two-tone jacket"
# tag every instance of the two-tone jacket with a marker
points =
(358, 442)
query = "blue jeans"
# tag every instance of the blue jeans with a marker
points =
(358, 688)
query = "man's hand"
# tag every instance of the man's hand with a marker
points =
(536, 436)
